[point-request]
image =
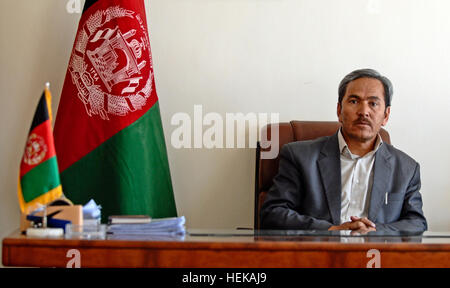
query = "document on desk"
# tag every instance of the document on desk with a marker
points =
(157, 227)
(128, 237)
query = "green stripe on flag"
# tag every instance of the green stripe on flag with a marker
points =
(39, 180)
(127, 174)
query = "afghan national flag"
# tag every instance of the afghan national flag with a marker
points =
(39, 177)
(108, 130)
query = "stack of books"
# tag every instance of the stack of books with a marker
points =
(145, 228)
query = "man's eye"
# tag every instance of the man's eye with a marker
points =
(352, 101)
(373, 104)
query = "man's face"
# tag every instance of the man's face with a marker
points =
(362, 112)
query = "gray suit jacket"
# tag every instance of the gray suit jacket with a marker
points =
(306, 193)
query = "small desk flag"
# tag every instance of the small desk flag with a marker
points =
(108, 131)
(39, 181)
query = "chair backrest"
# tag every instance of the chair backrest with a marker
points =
(266, 169)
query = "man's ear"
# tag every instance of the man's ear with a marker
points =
(339, 108)
(387, 112)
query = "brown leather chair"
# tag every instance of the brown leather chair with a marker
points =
(293, 131)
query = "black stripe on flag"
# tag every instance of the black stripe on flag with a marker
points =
(41, 114)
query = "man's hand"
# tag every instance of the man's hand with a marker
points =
(357, 225)
(370, 226)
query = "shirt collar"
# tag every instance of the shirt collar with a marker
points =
(343, 147)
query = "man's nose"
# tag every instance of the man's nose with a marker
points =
(364, 109)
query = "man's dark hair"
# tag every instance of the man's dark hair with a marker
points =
(367, 73)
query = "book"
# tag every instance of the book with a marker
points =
(129, 219)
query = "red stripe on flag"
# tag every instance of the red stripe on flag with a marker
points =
(39, 147)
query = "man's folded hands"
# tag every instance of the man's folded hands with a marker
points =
(356, 225)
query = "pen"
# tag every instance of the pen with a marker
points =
(44, 218)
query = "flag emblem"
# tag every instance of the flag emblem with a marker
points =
(35, 150)
(110, 65)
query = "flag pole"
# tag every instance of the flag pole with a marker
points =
(48, 97)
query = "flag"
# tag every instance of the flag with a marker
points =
(108, 130)
(39, 181)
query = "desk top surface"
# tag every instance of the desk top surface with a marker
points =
(233, 248)
(260, 238)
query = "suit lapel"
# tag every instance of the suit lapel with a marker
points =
(330, 172)
(381, 178)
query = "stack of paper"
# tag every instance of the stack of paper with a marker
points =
(157, 227)
(176, 237)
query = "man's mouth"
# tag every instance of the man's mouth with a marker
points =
(363, 123)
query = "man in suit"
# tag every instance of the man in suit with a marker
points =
(351, 180)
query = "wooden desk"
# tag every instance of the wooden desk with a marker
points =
(231, 250)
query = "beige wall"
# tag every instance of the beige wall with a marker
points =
(283, 56)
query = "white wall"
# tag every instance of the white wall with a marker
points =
(284, 56)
